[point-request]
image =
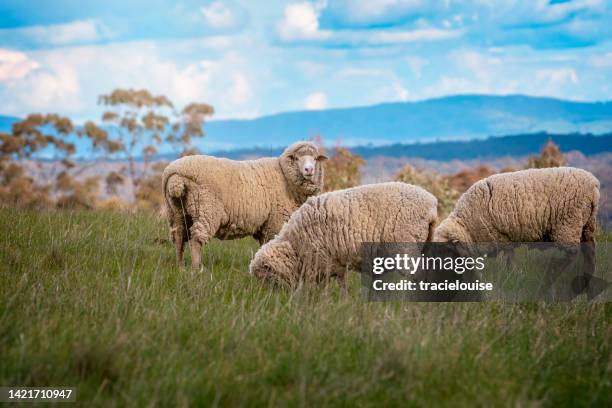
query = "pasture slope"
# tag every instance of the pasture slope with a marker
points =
(93, 300)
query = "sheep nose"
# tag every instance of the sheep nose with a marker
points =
(309, 170)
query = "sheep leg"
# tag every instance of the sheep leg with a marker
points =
(179, 225)
(199, 237)
(196, 240)
(195, 247)
(566, 238)
(588, 244)
(588, 253)
(587, 248)
(342, 282)
(178, 236)
(205, 219)
(202, 231)
(180, 248)
(340, 274)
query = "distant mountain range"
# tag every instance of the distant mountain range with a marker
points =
(459, 117)
(489, 148)
(448, 118)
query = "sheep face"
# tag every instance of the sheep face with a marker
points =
(450, 231)
(307, 165)
(276, 261)
(302, 165)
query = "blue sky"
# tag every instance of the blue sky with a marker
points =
(254, 58)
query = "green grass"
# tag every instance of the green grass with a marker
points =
(93, 300)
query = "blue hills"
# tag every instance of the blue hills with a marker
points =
(460, 117)
(448, 118)
(489, 148)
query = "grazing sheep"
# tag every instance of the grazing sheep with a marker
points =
(323, 238)
(210, 197)
(553, 204)
(537, 205)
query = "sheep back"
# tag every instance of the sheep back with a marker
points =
(552, 204)
(328, 230)
(245, 193)
(231, 199)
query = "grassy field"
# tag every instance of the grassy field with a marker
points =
(93, 300)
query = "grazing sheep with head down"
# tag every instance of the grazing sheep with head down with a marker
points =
(537, 205)
(323, 237)
(210, 197)
(554, 204)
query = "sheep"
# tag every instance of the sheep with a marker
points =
(554, 204)
(537, 205)
(322, 238)
(210, 197)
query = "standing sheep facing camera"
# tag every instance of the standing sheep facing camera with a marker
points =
(209, 197)
(323, 238)
(554, 205)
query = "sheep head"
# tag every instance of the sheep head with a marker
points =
(276, 262)
(302, 166)
(451, 231)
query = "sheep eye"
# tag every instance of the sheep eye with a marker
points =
(292, 157)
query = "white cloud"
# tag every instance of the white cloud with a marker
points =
(471, 71)
(542, 11)
(15, 65)
(300, 22)
(241, 91)
(218, 42)
(394, 37)
(388, 88)
(355, 13)
(315, 101)
(558, 76)
(69, 80)
(53, 84)
(219, 16)
(539, 23)
(76, 32)
(480, 65)
(401, 93)
(189, 81)
(513, 71)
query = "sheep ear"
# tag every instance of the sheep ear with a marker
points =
(292, 157)
(322, 157)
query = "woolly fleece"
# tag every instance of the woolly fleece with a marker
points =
(210, 197)
(554, 204)
(322, 239)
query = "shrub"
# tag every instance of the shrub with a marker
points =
(435, 184)
(19, 190)
(462, 180)
(342, 170)
(112, 204)
(76, 194)
(149, 195)
(550, 156)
